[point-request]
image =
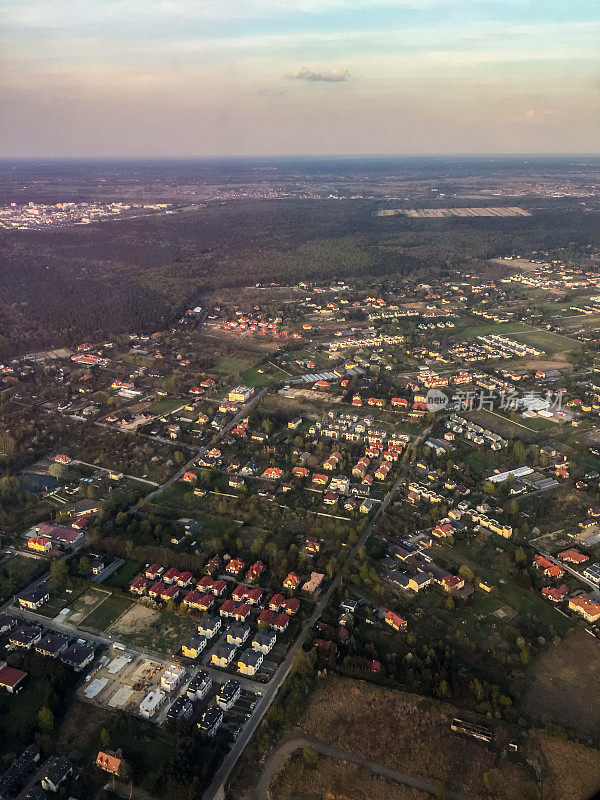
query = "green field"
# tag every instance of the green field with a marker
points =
(228, 365)
(123, 576)
(165, 406)
(547, 341)
(106, 613)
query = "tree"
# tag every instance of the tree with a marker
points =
(59, 572)
(84, 567)
(450, 604)
(310, 755)
(105, 738)
(467, 572)
(520, 557)
(45, 720)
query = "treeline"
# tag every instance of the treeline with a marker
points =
(65, 285)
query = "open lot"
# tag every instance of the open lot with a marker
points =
(559, 683)
(151, 629)
(105, 613)
(329, 779)
(341, 712)
(84, 604)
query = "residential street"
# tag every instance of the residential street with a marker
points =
(284, 668)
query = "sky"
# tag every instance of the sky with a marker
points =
(185, 78)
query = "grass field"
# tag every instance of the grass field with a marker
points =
(123, 576)
(165, 406)
(547, 341)
(228, 365)
(104, 614)
(558, 683)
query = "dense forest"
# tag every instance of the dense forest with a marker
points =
(61, 286)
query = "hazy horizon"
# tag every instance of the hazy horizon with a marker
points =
(256, 78)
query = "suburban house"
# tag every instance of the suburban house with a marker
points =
(264, 640)
(292, 582)
(555, 593)
(395, 621)
(223, 654)
(210, 721)
(11, 679)
(32, 599)
(56, 773)
(193, 645)
(110, 761)
(586, 606)
(237, 634)
(250, 661)
(209, 626)
(78, 656)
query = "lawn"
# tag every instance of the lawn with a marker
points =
(123, 576)
(547, 341)
(102, 617)
(165, 406)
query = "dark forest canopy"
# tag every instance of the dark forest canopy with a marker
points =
(61, 286)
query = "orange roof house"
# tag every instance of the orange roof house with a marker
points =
(110, 761)
(395, 621)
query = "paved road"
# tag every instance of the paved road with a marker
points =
(106, 640)
(284, 751)
(216, 786)
(104, 469)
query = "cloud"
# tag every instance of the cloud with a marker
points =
(332, 76)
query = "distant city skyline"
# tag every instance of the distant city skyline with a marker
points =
(168, 78)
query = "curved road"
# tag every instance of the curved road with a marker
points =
(279, 756)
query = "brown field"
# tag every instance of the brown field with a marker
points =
(570, 771)
(562, 682)
(336, 780)
(410, 734)
(137, 617)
